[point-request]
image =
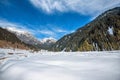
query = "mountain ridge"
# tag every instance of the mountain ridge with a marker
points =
(10, 40)
(28, 38)
(94, 35)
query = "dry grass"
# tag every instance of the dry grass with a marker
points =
(6, 44)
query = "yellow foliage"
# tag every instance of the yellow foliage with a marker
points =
(86, 46)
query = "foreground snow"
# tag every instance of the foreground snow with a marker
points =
(25, 65)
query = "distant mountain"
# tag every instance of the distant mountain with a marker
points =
(25, 36)
(28, 38)
(103, 33)
(10, 40)
(47, 43)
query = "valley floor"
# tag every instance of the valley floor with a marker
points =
(25, 65)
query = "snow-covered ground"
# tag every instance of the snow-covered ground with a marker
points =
(26, 65)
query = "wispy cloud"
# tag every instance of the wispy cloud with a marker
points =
(15, 27)
(46, 32)
(49, 5)
(85, 7)
(58, 30)
(53, 32)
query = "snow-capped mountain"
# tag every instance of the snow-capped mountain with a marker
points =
(47, 43)
(28, 38)
(48, 40)
(24, 36)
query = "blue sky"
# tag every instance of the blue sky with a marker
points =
(51, 18)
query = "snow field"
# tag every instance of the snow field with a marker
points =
(61, 66)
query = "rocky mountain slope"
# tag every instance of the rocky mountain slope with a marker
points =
(24, 36)
(103, 33)
(10, 40)
(28, 38)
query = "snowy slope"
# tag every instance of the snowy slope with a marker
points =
(62, 66)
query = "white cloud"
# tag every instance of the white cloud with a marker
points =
(46, 32)
(85, 7)
(48, 5)
(49, 30)
(15, 27)
(59, 30)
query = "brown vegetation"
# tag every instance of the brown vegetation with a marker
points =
(6, 44)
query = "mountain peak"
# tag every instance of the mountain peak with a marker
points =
(24, 36)
(28, 38)
(48, 40)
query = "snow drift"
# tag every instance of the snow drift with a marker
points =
(60, 66)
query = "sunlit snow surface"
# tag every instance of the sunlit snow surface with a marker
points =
(24, 65)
